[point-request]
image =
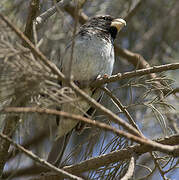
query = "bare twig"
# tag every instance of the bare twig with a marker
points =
(65, 114)
(134, 10)
(73, 41)
(116, 156)
(141, 139)
(34, 50)
(10, 122)
(117, 101)
(162, 173)
(112, 157)
(32, 142)
(133, 58)
(131, 168)
(71, 10)
(43, 17)
(107, 112)
(33, 10)
(174, 91)
(39, 160)
(9, 128)
(82, 16)
(141, 72)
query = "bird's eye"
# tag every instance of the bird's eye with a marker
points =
(106, 18)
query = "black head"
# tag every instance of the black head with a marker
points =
(106, 24)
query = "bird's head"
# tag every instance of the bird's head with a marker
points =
(106, 24)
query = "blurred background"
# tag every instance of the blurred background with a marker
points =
(153, 32)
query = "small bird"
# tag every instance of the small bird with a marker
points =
(93, 57)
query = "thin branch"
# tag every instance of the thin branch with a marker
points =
(83, 18)
(112, 157)
(119, 155)
(134, 58)
(73, 41)
(33, 10)
(162, 173)
(10, 122)
(43, 17)
(173, 122)
(174, 91)
(130, 172)
(134, 10)
(132, 74)
(29, 143)
(119, 104)
(34, 50)
(9, 128)
(67, 115)
(174, 150)
(113, 117)
(39, 160)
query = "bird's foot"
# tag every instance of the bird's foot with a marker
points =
(102, 76)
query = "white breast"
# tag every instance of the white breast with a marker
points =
(92, 56)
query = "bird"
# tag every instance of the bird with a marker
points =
(92, 57)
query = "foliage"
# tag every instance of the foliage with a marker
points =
(151, 99)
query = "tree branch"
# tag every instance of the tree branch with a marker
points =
(130, 171)
(119, 104)
(39, 160)
(43, 17)
(31, 46)
(112, 157)
(33, 10)
(132, 74)
(174, 150)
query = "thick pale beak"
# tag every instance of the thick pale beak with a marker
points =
(118, 23)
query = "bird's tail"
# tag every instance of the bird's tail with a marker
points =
(57, 150)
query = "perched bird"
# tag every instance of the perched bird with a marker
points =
(93, 56)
